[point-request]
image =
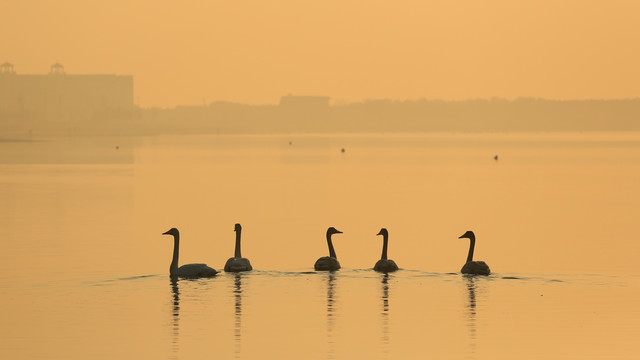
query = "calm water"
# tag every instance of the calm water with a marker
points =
(84, 267)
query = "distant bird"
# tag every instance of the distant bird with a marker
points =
(188, 270)
(237, 263)
(495, 158)
(385, 265)
(342, 151)
(473, 267)
(329, 263)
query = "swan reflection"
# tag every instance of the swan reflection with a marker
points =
(237, 293)
(385, 312)
(331, 278)
(470, 282)
(175, 314)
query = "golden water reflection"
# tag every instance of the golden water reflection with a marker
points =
(470, 282)
(574, 195)
(385, 313)
(237, 293)
(175, 316)
(331, 315)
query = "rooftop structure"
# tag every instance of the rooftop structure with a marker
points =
(57, 69)
(60, 96)
(7, 69)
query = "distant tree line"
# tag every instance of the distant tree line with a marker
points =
(493, 115)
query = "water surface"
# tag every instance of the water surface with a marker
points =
(84, 265)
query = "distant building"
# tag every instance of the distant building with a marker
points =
(7, 68)
(58, 96)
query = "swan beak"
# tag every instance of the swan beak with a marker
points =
(338, 231)
(380, 233)
(462, 236)
(166, 232)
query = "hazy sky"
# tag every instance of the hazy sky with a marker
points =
(190, 51)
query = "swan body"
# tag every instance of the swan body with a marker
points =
(237, 263)
(476, 267)
(473, 267)
(188, 270)
(385, 265)
(329, 263)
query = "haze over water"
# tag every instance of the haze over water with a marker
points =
(518, 120)
(195, 52)
(85, 267)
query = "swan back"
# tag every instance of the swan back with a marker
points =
(194, 271)
(235, 264)
(327, 263)
(476, 268)
(385, 266)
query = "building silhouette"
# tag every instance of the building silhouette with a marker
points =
(61, 97)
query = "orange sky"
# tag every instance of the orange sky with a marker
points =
(253, 51)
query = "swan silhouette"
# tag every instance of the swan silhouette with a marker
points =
(385, 265)
(188, 270)
(473, 267)
(237, 263)
(329, 263)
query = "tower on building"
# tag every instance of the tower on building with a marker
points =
(7, 68)
(57, 69)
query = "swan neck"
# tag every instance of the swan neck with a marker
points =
(332, 252)
(176, 252)
(237, 253)
(472, 245)
(385, 243)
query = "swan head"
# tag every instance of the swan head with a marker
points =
(468, 235)
(332, 230)
(172, 231)
(383, 232)
(237, 227)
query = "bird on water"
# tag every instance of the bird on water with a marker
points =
(385, 265)
(237, 263)
(188, 270)
(473, 267)
(329, 263)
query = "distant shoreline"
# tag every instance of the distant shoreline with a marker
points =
(375, 116)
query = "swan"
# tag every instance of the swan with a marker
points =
(188, 270)
(473, 267)
(385, 265)
(330, 262)
(237, 263)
